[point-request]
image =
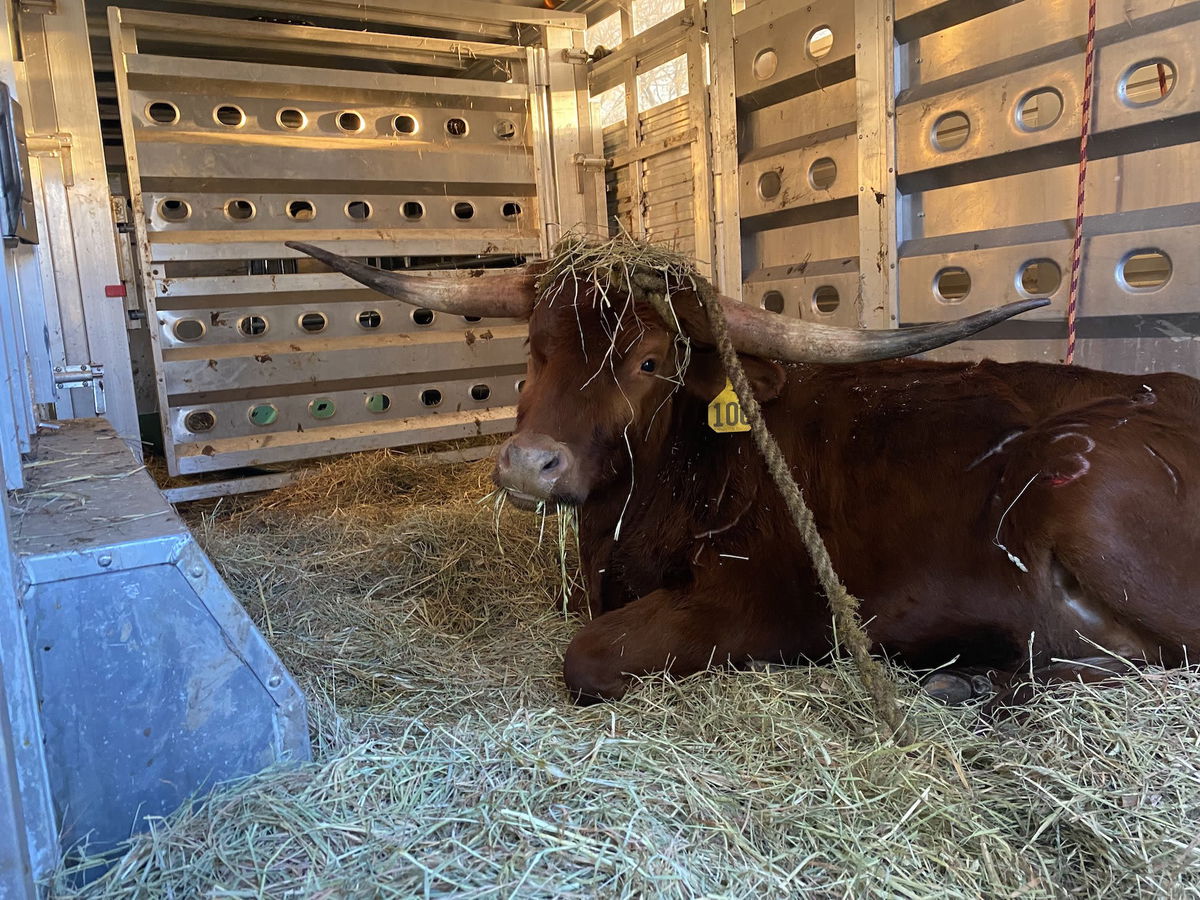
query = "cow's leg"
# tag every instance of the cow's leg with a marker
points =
(665, 631)
(957, 686)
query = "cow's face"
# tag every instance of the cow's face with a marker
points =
(602, 382)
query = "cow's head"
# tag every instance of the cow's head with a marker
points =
(605, 370)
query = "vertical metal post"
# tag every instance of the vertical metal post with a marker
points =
(16, 870)
(698, 112)
(633, 138)
(579, 189)
(723, 104)
(28, 836)
(79, 231)
(543, 155)
(878, 203)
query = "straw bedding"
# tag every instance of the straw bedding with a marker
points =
(427, 633)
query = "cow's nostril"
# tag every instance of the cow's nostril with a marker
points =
(552, 463)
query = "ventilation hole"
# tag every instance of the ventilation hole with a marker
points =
(772, 301)
(264, 414)
(200, 421)
(239, 210)
(412, 210)
(822, 174)
(952, 284)
(313, 322)
(1039, 109)
(480, 392)
(820, 42)
(404, 124)
(464, 210)
(291, 118)
(826, 299)
(160, 112)
(188, 329)
(431, 397)
(1040, 277)
(950, 131)
(765, 64)
(252, 326)
(520, 385)
(378, 403)
(510, 210)
(322, 408)
(350, 122)
(174, 210)
(456, 127)
(1147, 82)
(301, 210)
(506, 129)
(769, 185)
(1145, 270)
(423, 317)
(358, 209)
(472, 318)
(370, 318)
(230, 115)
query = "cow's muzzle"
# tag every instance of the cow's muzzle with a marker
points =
(533, 468)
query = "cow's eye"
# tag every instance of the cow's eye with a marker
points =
(649, 365)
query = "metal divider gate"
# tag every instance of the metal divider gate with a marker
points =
(658, 178)
(917, 160)
(260, 356)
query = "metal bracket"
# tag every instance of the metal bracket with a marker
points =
(576, 55)
(57, 144)
(83, 376)
(591, 162)
(40, 7)
(585, 163)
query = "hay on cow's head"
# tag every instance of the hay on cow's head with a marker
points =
(449, 762)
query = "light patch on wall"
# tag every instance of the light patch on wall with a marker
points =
(662, 84)
(608, 108)
(648, 13)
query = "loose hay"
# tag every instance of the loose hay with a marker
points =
(449, 762)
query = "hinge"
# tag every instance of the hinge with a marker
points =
(83, 376)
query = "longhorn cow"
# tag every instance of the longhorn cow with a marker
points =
(1007, 516)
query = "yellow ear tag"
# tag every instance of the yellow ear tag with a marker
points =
(725, 412)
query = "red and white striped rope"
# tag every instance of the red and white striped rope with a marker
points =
(1085, 128)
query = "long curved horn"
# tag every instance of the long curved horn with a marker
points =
(476, 292)
(771, 336)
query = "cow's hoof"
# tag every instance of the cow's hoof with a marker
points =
(954, 689)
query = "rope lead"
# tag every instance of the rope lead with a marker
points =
(842, 603)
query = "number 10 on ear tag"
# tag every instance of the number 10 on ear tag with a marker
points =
(725, 412)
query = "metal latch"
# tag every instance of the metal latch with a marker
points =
(591, 162)
(83, 376)
(40, 7)
(57, 144)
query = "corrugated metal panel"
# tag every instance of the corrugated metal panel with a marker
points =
(987, 152)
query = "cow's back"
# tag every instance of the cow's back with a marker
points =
(970, 505)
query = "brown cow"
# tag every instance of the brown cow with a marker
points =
(1000, 515)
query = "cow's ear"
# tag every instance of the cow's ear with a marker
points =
(766, 377)
(706, 375)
